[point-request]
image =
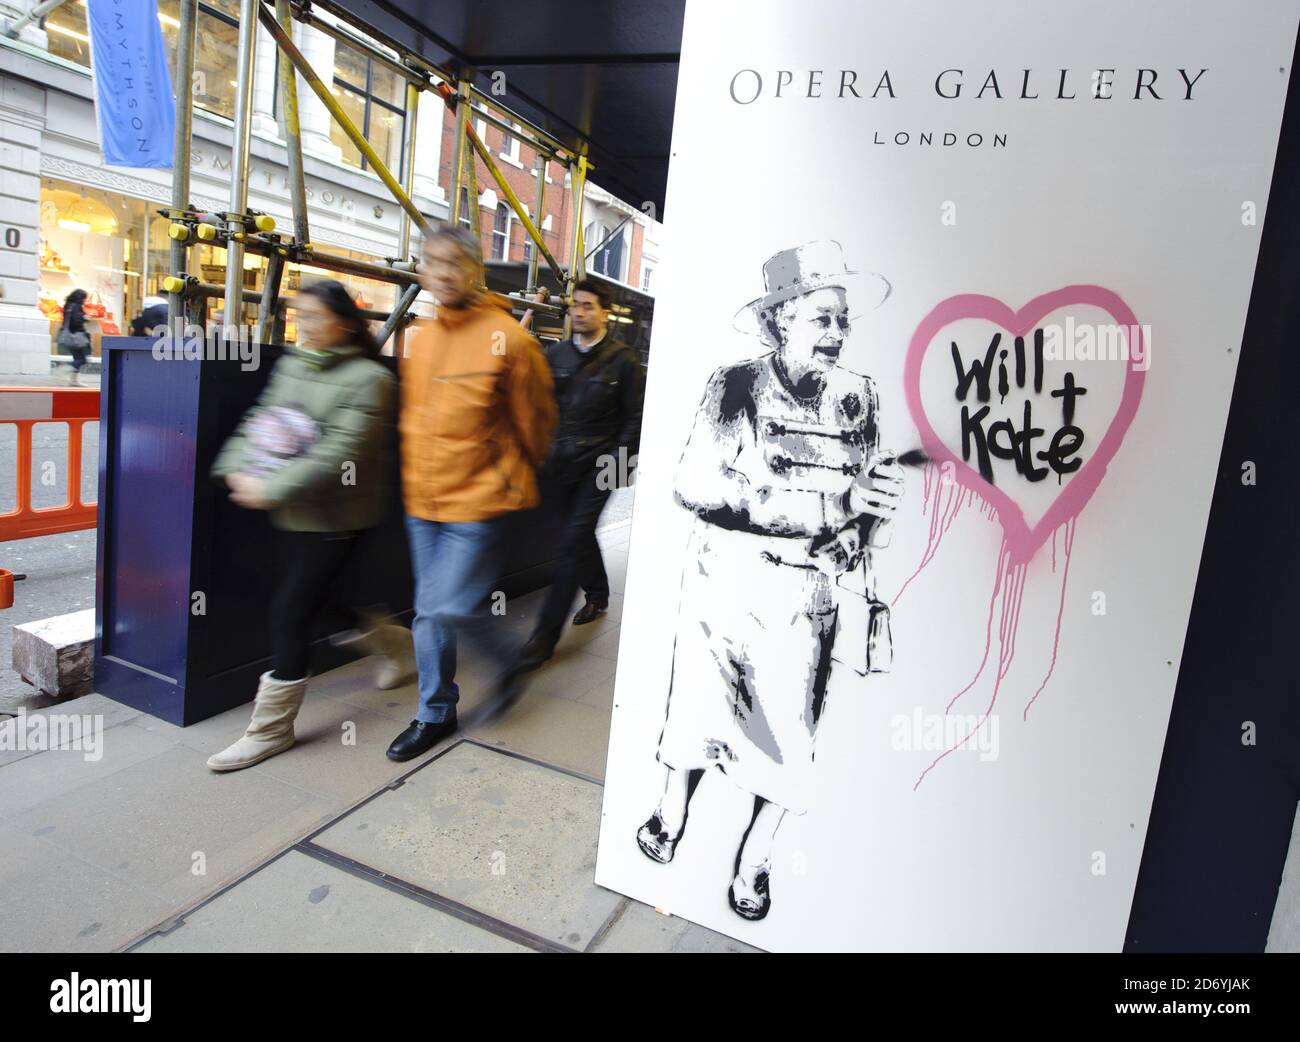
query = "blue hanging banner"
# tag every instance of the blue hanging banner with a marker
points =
(133, 88)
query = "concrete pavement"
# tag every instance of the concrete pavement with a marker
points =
(486, 844)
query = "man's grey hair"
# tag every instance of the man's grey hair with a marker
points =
(459, 236)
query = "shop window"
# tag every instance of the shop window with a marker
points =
(95, 241)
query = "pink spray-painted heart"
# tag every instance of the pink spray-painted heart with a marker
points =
(1022, 539)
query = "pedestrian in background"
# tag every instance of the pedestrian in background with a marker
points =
(600, 387)
(152, 320)
(316, 452)
(73, 335)
(476, 418)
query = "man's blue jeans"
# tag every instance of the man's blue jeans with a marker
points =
(456, 564)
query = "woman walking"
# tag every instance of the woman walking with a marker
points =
(316, 452)
(73, 336)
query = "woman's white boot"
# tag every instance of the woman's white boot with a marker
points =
(271, 729)
(393, 647)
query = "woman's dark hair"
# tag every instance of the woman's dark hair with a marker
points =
(335, 296)
(72, 306)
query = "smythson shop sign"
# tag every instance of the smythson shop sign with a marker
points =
(927, 463)
(133, 91)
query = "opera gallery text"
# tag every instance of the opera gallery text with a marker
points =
(1102, 84)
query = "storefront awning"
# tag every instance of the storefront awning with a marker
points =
(603, 71)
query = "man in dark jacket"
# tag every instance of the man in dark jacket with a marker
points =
(599, 387)
(152, 321)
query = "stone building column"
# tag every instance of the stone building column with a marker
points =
(313, 117)
(24, 330)
(428, 148)
(264, 87)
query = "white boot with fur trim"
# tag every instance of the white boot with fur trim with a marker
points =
(391, 644)
(271, 729)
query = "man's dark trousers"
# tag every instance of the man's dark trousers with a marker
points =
(578, 562)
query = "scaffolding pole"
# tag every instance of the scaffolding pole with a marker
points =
(205, 290)
(543, 167)
(527, 132)
(290, 50)
(578, 266)
(400, 309)
(408, 167)
(266, 308)
(404, 232)
(469, 147)
(477, 145)
(461, 113)
(466, 172)
(188, 14)
(232, 315)
(292, 129)
(39, 11)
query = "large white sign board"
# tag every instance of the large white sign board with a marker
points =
(1014, 245)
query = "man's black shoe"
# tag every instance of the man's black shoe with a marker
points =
(538, 650)
(420, 738)
(589, 612)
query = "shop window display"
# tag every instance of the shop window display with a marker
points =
(92, 240)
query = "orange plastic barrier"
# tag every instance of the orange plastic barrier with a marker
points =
(25, 407)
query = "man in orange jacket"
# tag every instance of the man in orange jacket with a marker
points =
(477, 413)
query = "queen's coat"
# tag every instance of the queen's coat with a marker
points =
(765, 471)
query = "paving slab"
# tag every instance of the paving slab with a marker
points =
(639, 928)
(338, 753)
(51, 901)
(600, 696)
(571, 673)
(298, 903)
(29, 782)
(106, 713)
(172, 827)
(561, 731)
(510, 839)
(605, 644)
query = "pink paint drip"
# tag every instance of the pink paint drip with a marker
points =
(953, 497)
(1010, 586)
(1060, 610)
(988, 625)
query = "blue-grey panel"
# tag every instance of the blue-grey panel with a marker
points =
(147, 449)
